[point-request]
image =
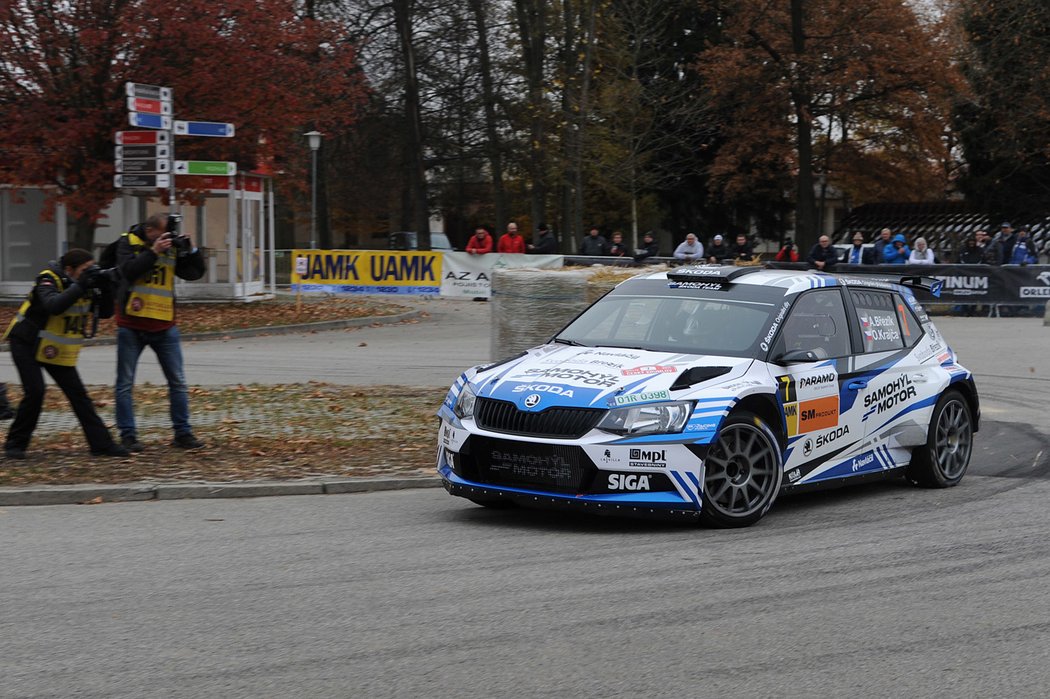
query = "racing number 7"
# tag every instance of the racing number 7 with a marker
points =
(788, 388)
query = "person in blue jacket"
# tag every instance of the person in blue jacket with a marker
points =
(1024, 252)
(897, 252)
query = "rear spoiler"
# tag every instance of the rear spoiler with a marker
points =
(912, 281)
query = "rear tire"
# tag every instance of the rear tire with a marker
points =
(942, 461)
(742, 473)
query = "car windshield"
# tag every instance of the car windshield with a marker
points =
(716, 322)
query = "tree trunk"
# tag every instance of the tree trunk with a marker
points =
(532, 27)
(805, 205)
(83, 233)
(413, 125)
(493, 145)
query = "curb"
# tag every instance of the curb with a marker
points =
(92, 494)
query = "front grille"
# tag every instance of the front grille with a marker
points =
(550, 467)
(504, 416)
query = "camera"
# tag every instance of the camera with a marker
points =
(180, 242)
(94, 277)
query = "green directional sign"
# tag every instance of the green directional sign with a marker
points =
(205, 167)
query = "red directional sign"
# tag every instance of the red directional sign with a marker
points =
(148, 106)
(142, 138)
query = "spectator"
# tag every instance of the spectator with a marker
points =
(47, 335)
(650, 248)
(544, 243)
(990, 254)
(594, 244)
(149, 260)
(511, 241)
(1024, 252)
(823, 256)
(479, 243)
(741, 250)
(969, 253)
(617, 248)
(1005, 241)
(879, 246)
(718, 251)
(897, 252)
(921, 255)
(855, 255)
(787, 252)
(690, 249)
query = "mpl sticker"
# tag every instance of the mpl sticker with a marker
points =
(641, 397)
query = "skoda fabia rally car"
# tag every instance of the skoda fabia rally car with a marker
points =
(707, 391)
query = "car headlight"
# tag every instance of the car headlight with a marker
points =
(464, 406)
(652, 418)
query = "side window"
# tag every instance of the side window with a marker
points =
(817, 323)
(879, 325)
(911, 328)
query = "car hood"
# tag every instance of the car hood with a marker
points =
(596, 377)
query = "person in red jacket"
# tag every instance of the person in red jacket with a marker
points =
(788, 253)
(511, 241)
(479, 243)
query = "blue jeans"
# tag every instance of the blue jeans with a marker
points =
(168, 348)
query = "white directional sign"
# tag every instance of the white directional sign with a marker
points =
(142, 181)
(205, 167)
(204, 128)
(149, 121)
(149, 92)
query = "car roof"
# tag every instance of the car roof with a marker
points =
(791, 281)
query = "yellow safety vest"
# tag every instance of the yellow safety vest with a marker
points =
(154, 296)
(60, 340)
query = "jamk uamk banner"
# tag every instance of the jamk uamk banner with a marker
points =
(366, 272)
(967, 284)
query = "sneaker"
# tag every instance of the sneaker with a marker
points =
(111, 450)
(132, 443)
(186, 441)
(14, 453)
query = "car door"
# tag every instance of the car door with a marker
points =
(888, 330)
(819, 398)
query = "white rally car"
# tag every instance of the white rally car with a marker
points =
(706, 391)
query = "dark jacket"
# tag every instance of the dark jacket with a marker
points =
(970, 255)
(829, 256)
(596, 245)
(719, 251)
(46, 300)
(743, 252)
(544, 244)
(136, 262)
(650, 250)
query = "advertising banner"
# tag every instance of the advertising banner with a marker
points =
(965, 284)
(366, 272)
(470, 276)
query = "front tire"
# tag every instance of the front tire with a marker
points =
(742, 473)
(942, 461)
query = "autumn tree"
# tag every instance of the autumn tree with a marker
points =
(256, 63)
(789, 72)
(1005, 124)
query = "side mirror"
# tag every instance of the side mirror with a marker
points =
(797, 357)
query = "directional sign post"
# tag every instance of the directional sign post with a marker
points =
(149, 92)
(144, 165)
(149, 121)
(127, 138)
(204, 128)
(205, 167)
(142, 181)
(124, 152)
(148, 106)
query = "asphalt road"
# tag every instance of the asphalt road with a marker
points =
(875, 591)
(880, 590)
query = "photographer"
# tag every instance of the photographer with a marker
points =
(47, 333)
(787, 252)
(149, 257)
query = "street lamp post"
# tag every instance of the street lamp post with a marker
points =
(313, 138)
